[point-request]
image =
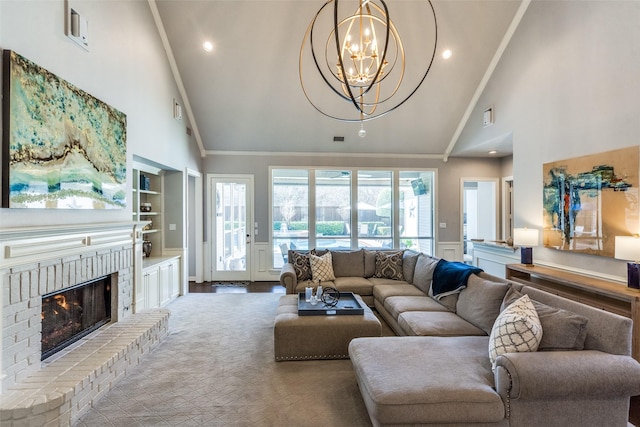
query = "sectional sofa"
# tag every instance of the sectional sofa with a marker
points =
(454, 361)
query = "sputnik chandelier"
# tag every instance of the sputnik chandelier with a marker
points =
(361, 58)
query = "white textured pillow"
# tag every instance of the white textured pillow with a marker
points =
(322, 267)
(517, 329)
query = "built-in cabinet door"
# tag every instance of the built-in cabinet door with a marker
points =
(153, 284)
(165, 283)
(174, 269)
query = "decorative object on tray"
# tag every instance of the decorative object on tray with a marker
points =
(330, 297)
(146, 248)
(342, 303)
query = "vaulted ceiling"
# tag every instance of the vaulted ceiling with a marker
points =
(246, 95)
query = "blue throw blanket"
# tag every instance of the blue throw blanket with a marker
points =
(450, 277)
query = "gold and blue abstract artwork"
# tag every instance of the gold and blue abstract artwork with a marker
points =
(62, 147)
(588, 200)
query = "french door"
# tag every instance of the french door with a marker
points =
(231, 227)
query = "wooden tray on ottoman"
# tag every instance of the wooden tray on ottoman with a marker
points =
(347, 305)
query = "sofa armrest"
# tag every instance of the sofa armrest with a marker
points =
(288, 278)
(557, 374)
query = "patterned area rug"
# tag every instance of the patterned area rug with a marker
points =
(217, 368)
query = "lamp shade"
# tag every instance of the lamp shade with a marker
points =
(627, 248)
(526, 237)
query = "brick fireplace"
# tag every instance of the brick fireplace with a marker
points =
(39, 262)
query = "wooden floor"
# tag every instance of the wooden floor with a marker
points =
(277, 288)
(214, 287)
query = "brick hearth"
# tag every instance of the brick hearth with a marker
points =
(35, 262)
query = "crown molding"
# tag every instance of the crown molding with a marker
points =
(322, 154)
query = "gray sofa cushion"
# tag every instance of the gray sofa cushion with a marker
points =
(409, 260)
(479, 303)
(400, 304)
(420, 380)
(348, 263)
(561, 329)
(606, 331)
(369, 263)
(437, 324)
(423, 273)
(357, 285)
(382, 290)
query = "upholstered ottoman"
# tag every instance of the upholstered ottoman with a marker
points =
(318, 337)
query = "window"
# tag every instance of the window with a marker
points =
(416, 213)
(333, 209)
(289, 212)
(351, 208)
(375, 208)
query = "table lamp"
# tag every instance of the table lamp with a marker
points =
(628, 248)
(526, 238)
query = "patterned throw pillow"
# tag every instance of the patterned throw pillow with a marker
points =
(301, 265)
(389, 265)
(322, 267)
(517, 329)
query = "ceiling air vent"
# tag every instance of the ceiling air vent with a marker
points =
(338, 139)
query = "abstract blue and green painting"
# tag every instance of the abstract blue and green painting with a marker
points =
(66, 149)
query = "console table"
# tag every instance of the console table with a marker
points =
(603, 294)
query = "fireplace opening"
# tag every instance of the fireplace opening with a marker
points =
(74, 312)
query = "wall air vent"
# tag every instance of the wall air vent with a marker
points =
(338, 139)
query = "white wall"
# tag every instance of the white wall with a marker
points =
(126, 67)
(566, 86)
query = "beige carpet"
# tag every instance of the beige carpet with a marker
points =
(216, 368)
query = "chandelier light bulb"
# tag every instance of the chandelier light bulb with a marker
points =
(362, 133)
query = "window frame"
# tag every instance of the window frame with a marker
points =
(354, 171)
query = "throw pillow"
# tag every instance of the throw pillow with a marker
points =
(369, 263)
(517, 329)
(563, 329)
(479, 303)
(321, 267)
(301, 265)
(389, 265)
(409, 261)
(423, 273)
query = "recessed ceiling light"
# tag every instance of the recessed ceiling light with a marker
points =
(447, 53)
(207, 46)
(493, 152)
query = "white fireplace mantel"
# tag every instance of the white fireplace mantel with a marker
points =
(33, 244)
